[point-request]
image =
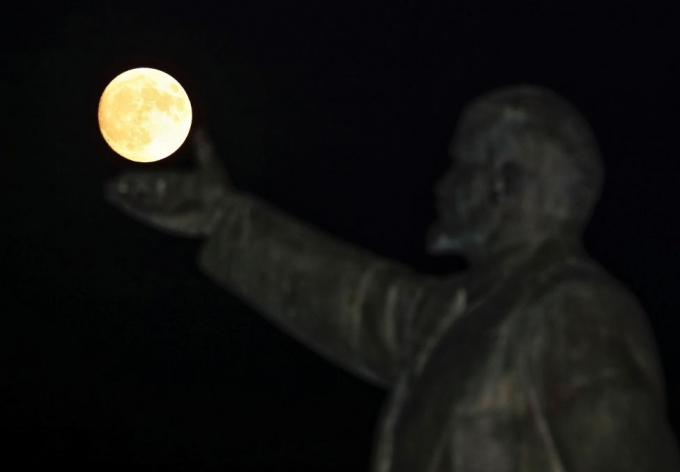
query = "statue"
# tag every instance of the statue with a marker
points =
(535, 360)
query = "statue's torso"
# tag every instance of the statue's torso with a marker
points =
(465, 383)
(468, 401)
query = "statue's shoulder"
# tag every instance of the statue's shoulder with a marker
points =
(588, 310)
(584, 280)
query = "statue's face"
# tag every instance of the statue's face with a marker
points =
(463, 200)
(481, 191)
(524, 168)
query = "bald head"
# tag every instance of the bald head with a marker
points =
(526, 167)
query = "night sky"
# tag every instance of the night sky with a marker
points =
(115, 349)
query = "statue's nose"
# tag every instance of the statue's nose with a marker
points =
(445, 187)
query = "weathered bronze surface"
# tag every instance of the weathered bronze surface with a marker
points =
(535, 360)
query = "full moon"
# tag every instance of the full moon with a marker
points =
(144, 115)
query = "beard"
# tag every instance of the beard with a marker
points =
(442, 242)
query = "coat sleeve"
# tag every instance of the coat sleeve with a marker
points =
(348, 304)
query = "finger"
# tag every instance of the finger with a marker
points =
(173, 202)
(209, 163)
(137, 189)
(204, 148)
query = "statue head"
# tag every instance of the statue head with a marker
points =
(526, 168)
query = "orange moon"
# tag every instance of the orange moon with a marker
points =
(144, 115)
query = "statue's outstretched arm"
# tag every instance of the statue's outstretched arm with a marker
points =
(350, 305)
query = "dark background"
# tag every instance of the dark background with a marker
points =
(116, 349)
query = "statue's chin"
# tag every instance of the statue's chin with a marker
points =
(441, 243)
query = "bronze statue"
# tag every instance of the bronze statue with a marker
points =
(535, 360)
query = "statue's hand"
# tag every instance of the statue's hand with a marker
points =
(179, 203)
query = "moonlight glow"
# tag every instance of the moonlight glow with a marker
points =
(144, 115)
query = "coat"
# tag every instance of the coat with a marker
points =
(549, 366)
